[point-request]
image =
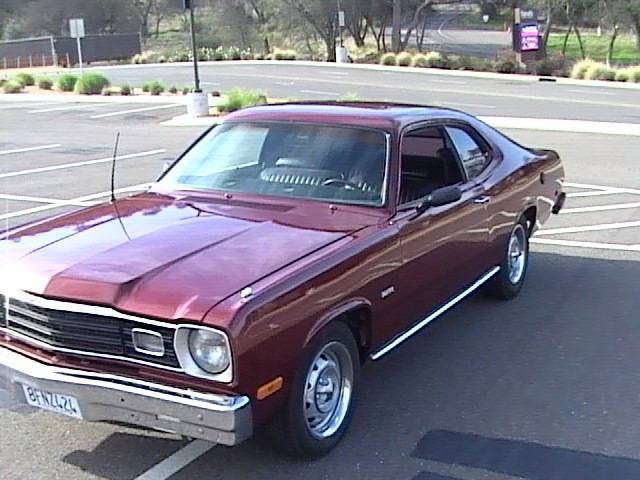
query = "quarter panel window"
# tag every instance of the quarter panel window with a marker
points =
(472, 155)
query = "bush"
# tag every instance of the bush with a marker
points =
(66, 82)
(436, 60)
(173, 89)
(404, 59)
(238, 98)
(599, 71)
(153, 87)
(635, 74)
(580, 69)
(25, 79)
(91, 84)
(349, 97)
(388, 59)
(45, 83)
(125, 90)
(186, 90)
(234, 53)
(12, 87)
(285, 54)
(623, 75)
(139, 58)
(419, 60)
(506, 65)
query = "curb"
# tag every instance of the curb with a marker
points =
(425, 71)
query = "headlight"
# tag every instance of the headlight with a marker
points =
(209, 350)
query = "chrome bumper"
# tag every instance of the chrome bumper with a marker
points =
(102, 397)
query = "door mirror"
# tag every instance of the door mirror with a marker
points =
(440, 196)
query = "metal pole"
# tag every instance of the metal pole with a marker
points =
(79, 53)
(194, 48)
(340, 24)
(54, 55)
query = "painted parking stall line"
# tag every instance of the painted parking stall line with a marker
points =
(136, 110)
(72, 107)
(30, 149)
(176, 462)
(81, 164)
(26, 198)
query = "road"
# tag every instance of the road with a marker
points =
(543, 387)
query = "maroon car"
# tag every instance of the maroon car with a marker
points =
(249, 284)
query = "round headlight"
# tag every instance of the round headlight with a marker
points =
(209, 350)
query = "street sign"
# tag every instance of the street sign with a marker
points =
(341, 21)
(529, 37)
(76, 27)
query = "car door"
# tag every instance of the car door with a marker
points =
(443, 248)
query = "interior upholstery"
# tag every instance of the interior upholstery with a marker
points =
(421, 174)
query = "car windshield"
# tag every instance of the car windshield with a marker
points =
(317, 162)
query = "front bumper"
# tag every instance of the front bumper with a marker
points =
(222, 419)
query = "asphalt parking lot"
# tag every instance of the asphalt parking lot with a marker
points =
(543, 387)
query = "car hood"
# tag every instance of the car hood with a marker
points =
(168, 258)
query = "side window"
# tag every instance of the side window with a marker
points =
(472, 155)
(427, 163)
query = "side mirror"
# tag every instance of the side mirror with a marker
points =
(440, 196)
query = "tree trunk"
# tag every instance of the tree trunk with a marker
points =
(580, 44)
(566, 40)
(267, 47)
(635, 20)
(396, 25)
(158, 20)
(330, 43)
(612, 43)
(547, 26)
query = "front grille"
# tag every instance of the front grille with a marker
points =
(83, 332)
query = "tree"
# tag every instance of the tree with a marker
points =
(322, 17)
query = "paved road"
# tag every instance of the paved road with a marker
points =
(545, 386)
(506, 97)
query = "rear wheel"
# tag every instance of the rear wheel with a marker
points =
(513, 270)
(322, 396)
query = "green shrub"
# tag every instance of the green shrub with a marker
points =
(45, 83)
(634, 74)
(404, 59)
(234, 53)
(125, 90)
(506, 65)
(238, 98)
(3, 81)
(66, 82)
(580, 69)
(12, 87)
(24, 79)
(419, 60)
(153, 87)
(471, 63)
(186, 90)
(139, 58)
(284, 54)
(91, 84)
(389, 59)
(173, 89)
(436, 60)
(599, 71)
(623, 75)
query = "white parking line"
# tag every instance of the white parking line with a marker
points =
(26, 105)
(472, 105)
(135, 110)
(71, 202)
(595, 245)
(80, 164)
(602, 187)
(25, 198)
(592, 193)
(589, 228)
(319, 92)
(176, 462)
(591, 92)
(73, 107)
(30, 149)
(601, 208)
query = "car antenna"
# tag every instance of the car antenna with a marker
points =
(113, 169)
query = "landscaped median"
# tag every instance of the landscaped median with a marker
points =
(89, 83)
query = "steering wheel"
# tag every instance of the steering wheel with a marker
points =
(345, 183)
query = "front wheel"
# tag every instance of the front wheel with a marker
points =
(322, 396)
(513, 269)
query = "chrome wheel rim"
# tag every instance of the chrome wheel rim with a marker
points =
(517, 254)
(328, 389)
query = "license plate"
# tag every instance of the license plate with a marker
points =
(54, 402)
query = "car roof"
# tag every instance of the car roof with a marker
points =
(381, 115)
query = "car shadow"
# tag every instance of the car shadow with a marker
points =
(538, 382)
(528, 460)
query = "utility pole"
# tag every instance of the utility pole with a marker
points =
(194, 48)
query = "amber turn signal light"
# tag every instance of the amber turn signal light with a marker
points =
(269, 388)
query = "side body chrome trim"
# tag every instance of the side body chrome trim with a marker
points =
(404, 336)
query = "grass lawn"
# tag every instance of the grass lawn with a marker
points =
(625, 51)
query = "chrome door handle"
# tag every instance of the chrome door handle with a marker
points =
(482, 199)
